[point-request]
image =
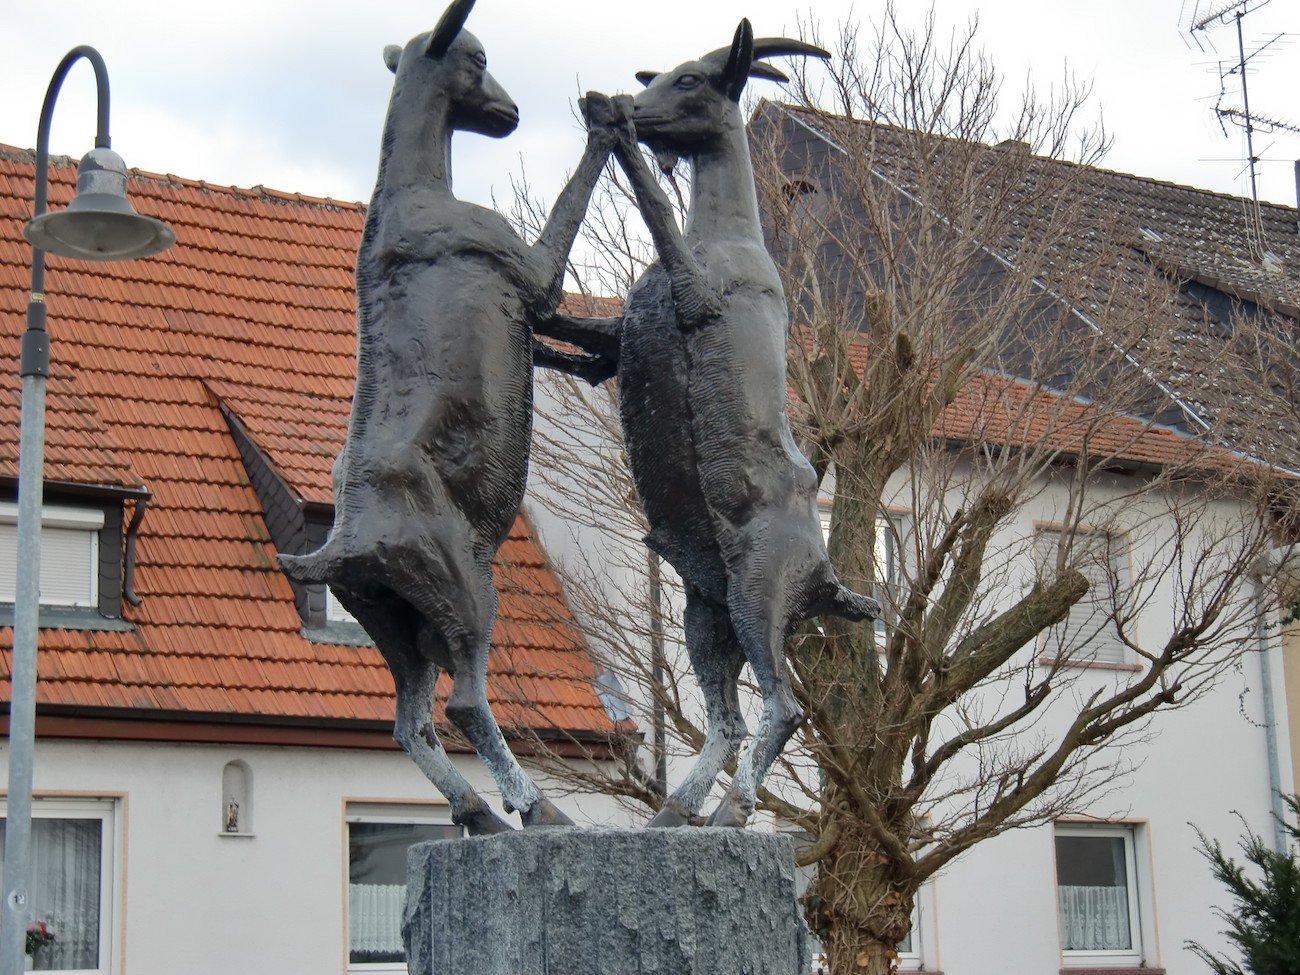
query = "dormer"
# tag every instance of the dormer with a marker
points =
(87, 554)
(291, 480)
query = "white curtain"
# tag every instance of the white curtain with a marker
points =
(375, 919)
(1095, 918)
(65, 864)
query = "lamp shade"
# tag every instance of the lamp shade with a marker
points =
(99, 224)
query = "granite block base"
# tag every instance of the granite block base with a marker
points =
(559, 901)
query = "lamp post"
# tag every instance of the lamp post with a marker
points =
(98, 225)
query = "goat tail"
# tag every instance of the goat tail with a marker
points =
(850, 605)
(315, 566)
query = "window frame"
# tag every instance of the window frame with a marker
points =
(109, 811)
(399, 812)
(1136, 883)
(1120, 552)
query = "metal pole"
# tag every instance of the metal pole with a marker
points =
(659, 669)
(34, 367)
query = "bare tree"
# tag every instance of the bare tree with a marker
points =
(986, 374)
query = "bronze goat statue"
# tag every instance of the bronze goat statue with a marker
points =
(432, 473)
(701, 362)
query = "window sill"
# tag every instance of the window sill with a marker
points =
(339, 634)
(236, 836)
(1091, 665)
(68, 618)
(1094, 970)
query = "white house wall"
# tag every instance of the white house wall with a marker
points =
(202, 902)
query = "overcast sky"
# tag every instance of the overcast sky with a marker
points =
(291, 94)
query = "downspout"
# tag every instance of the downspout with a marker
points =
(128, 562)
(1270, 725)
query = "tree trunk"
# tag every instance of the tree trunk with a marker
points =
(860, 905)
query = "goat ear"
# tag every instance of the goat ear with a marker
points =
(774, 47)
(645, 77)
(449, 25)
(741, 56)
(392, 55)
(760, 69)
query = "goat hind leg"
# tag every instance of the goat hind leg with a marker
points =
(716, 658)
(414, 731)
(468, 709)
(763, 623)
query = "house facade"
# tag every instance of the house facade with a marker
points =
(1116, 883)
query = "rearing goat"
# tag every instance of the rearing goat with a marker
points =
(432, 473)
(701, 354)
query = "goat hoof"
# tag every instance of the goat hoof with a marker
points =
(545, 813)
(667, 817)
(730, 812)
(482, 821)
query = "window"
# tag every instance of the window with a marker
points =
(1088, 634)
(888, 559)
(69, 555)
(334, 611)
(72, 861)
(378, 836)
(1097, 895)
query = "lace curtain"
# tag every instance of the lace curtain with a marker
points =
(1095, 919)
(65, 864)
(375, 921)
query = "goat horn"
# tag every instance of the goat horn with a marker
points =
(449, 25)
(739, 59)
(760, 70)
(773, 47)
(645, 77)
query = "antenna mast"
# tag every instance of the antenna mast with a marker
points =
(1243, 117)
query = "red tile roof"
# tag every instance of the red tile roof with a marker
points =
(252, 308)
(999, 409)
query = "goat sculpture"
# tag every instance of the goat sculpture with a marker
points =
(432, 473)
(701, 365)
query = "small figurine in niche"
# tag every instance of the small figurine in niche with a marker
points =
(232, 816)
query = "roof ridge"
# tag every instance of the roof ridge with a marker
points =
(260, 192)
(807, 111)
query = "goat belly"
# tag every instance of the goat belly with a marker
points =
(747, 457)
(442, 416)
(654, 408)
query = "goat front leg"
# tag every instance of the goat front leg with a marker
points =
(556, 239)
(695, 301)
(595, 369)
(595, 336)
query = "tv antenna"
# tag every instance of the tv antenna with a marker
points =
(1221, 15)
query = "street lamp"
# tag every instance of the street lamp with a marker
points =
(98, 225)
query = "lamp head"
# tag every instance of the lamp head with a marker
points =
(99, 224)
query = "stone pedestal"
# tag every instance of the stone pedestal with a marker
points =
(560, 901)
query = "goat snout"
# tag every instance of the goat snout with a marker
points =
(496, 118)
